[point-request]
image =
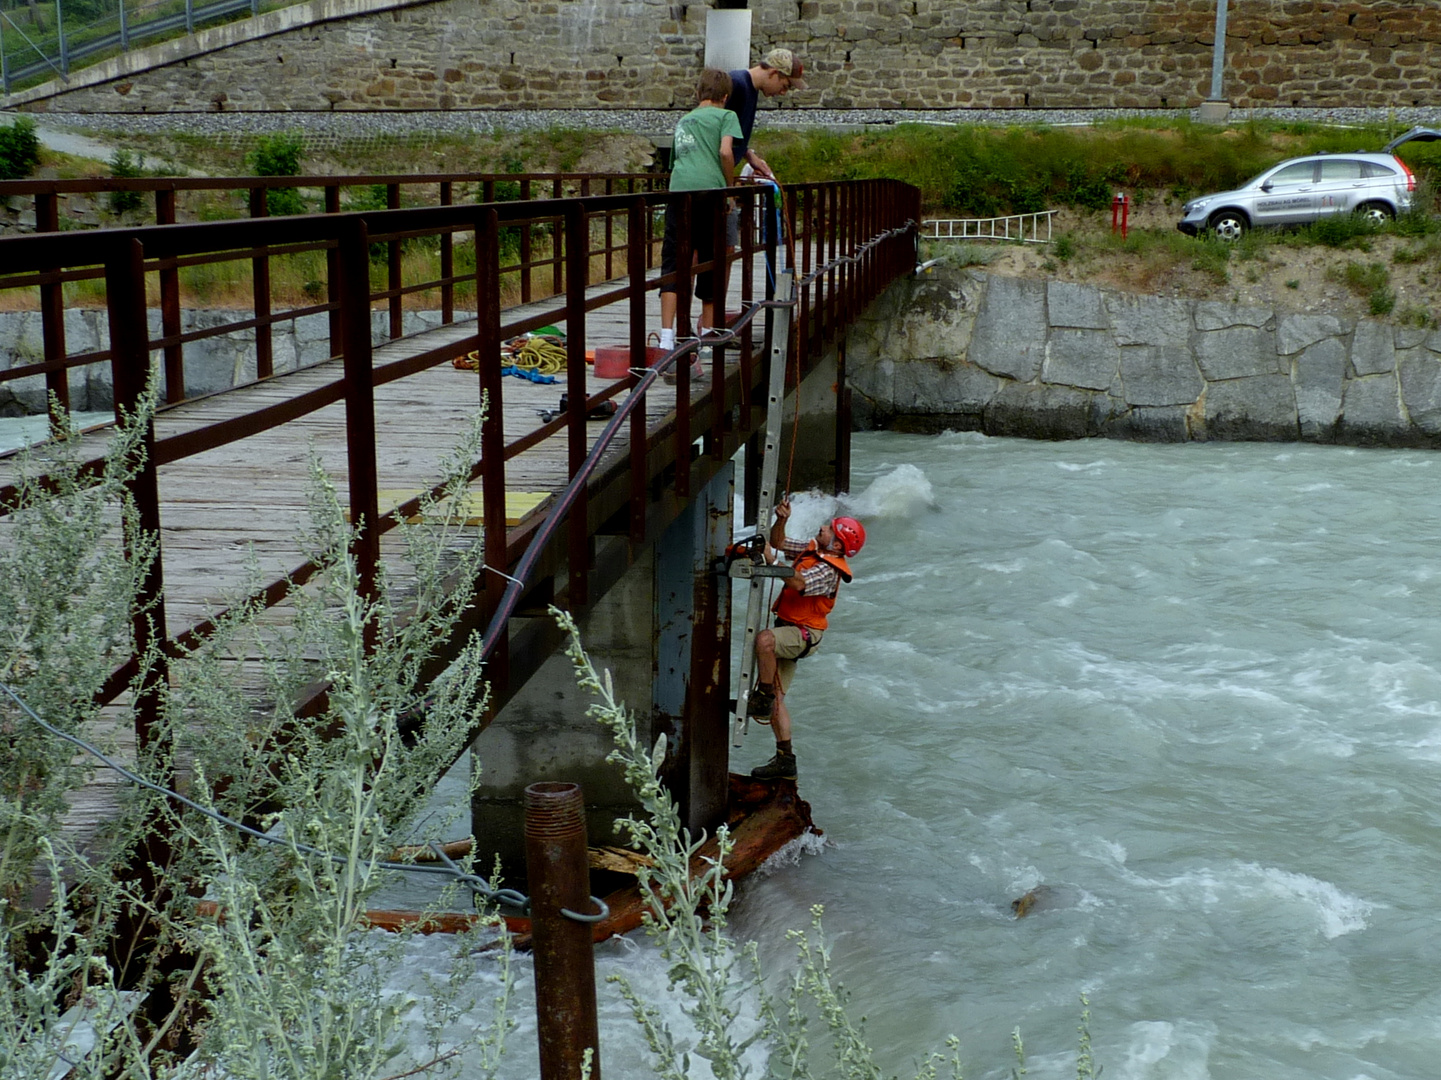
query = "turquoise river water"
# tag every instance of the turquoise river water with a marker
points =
(1194, 691)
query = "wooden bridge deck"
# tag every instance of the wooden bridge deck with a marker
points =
(242, 507)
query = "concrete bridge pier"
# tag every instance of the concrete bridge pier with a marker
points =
(663, 632)
(823, 446)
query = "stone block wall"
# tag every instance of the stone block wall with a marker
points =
(860, 54)
(969, 351)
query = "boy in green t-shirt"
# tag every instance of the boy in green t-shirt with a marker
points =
(703, 161)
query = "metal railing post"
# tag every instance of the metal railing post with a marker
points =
(639, 358)
(4, 63)
(170, 304)
(260, 287)
(52, 313)
(190, 16)
(130, 367)
(360, 407)
(557, 285)
(525, 246)
(393, 275)
(720, 291)
(124, 29)
(558, 880)
(684, 209)
(447, 259)
(492, 431)
(577, 259)
(332, 275)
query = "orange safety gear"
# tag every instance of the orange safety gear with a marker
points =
(798, 609)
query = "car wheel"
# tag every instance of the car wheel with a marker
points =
(1376, 213)
(1228, 225)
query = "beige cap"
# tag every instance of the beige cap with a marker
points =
(784, 61)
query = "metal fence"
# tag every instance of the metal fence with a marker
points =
(44, 41)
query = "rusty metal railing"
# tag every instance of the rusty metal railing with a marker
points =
(853, 239)
(534, 265)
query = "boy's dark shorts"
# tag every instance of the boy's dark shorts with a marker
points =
(704, 207)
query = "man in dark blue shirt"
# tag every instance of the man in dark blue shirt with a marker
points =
(778, 72)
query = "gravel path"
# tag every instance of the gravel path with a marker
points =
(350, 125)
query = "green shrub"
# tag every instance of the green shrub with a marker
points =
(126, 166)
(1211, 258)
(19, 149)
(1340, 231)
(279, 155)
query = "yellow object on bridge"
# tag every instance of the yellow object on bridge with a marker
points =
(519, 506)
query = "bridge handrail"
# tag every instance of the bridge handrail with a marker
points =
(846, 234)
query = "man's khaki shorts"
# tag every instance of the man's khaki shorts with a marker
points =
(790, 644)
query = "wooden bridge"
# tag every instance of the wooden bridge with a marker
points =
(226, 475)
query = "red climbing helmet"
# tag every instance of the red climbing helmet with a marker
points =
(851, 535)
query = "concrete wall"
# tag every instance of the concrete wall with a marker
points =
(1046, 359)
(508, 54)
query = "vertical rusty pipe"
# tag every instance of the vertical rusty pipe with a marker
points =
(52, 313)
(558, 879)
(577, 260)
(359, 381)
(393, 266)
(260, 279)
(635, 267)
(447, 259)
(170, 304)
(492, 431)
(130, 366)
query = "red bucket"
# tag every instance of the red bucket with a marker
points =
(613, 361)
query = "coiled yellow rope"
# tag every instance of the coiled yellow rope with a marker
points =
(541, 354)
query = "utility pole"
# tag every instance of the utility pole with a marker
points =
(1216, 108)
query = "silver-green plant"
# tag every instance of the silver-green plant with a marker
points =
(68, 593)
(64, 1017)
(686, 916)
(299, 987)
(688, 896)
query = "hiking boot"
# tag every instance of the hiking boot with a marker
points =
(780, 767)
(761, 703)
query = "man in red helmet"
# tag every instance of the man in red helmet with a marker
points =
(801, 617)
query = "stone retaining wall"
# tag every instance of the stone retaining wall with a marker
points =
(966, 350)
(909, 54)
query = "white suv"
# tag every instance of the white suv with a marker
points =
(1303, 190)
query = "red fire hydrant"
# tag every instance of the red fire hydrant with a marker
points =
(1120, 212)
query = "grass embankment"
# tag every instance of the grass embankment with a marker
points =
(961, 171)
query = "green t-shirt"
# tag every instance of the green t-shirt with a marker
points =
(697, 148)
